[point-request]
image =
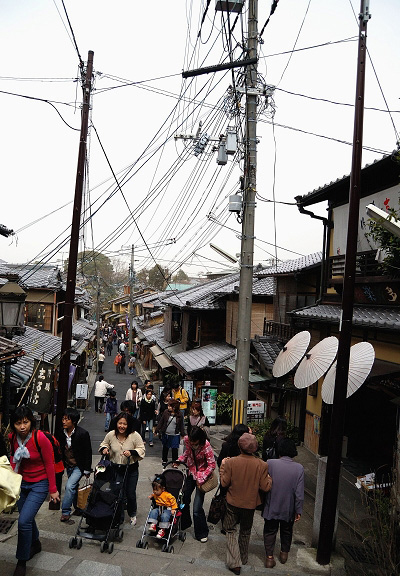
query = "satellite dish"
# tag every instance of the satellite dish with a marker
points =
(316, 362)
(362, 356)
(291, 354)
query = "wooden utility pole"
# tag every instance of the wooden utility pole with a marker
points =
(62, 391)
(332, 477)
(241, 384)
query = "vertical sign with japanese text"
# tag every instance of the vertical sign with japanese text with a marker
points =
(42, 387)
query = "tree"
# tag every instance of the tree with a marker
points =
(389, 243)
(158, 277)
(142, 277)
(180, 277)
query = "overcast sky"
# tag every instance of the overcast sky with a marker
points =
(140, 102)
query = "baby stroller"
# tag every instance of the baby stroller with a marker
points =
(105, 508)
(175, 479)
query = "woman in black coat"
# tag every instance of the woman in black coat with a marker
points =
(273, 438)
(147, 415)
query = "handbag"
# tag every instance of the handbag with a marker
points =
(217, 507)
(83, 494)
(210, 483)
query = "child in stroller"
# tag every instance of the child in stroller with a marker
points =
(165, 506)
(167, 493)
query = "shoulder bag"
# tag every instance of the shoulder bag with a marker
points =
(217, 507)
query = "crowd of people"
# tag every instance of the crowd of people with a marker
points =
(273, 482)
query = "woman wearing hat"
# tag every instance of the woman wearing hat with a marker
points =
(243, 476)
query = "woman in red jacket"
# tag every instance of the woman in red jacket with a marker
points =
(33, 458)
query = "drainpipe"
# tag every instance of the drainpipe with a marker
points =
(328, 225)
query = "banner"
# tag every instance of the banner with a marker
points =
(72, 370)
(41, 387)
(209, 403)
(188, 386)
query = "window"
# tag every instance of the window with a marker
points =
(38, 315)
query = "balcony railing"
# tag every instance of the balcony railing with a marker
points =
(282, 331)
(366, 266)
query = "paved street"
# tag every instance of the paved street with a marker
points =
(190, 557)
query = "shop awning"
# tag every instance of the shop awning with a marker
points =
(163, 361)
(156, 350)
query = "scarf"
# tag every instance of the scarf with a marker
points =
(21, 452)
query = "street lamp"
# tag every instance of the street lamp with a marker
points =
(12, 309)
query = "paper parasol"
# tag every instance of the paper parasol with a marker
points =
(291, 354)
(316, 362)
(362, 356)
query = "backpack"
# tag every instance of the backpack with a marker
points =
(58, 459)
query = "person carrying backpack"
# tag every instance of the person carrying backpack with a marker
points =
(36, 466)
(76, 449)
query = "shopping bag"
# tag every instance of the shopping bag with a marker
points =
(217, 508)
(83, 495)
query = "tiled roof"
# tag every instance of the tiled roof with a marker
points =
(35, 343)
(291, 266)
(156, 334)
(371, 317)
(264, 286)
(268, 350)
(83, 328)
(9, 349)
(203, 296)
(204, 357)
(33, 277)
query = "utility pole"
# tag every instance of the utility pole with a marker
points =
(62, 392)
(241, 384)
(131, 286)
(342, 371)
(98, 322)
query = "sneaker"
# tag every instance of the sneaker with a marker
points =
(133, 521)
(161, 533)
(204, 540)
(151, 444)
(152, 528)
(163, 464)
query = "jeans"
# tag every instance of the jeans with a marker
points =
(199, 517)
(165, 517)
(71, 489)
(33, 494)
(150, 425)
(108, 420)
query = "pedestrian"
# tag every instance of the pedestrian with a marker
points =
(100, 391)
(165, 396)
(244, 476)
(117, 362)
(180, 394)
(284, 503)
(125, 447)
(230, 446)
(165, 506)
(172, 429)
(197, 418)
(273, 438)
(122, 364)
(111, 408)
(122, 347)
(132, 364)
(199, 458)
(100, 362)
(32, 457)
(147, 415)
(134, 394)
(76, 450)
(109, 347)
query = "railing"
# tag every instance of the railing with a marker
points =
(366, 265)
(282, 331)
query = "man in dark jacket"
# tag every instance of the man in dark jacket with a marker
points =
(77, 455)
